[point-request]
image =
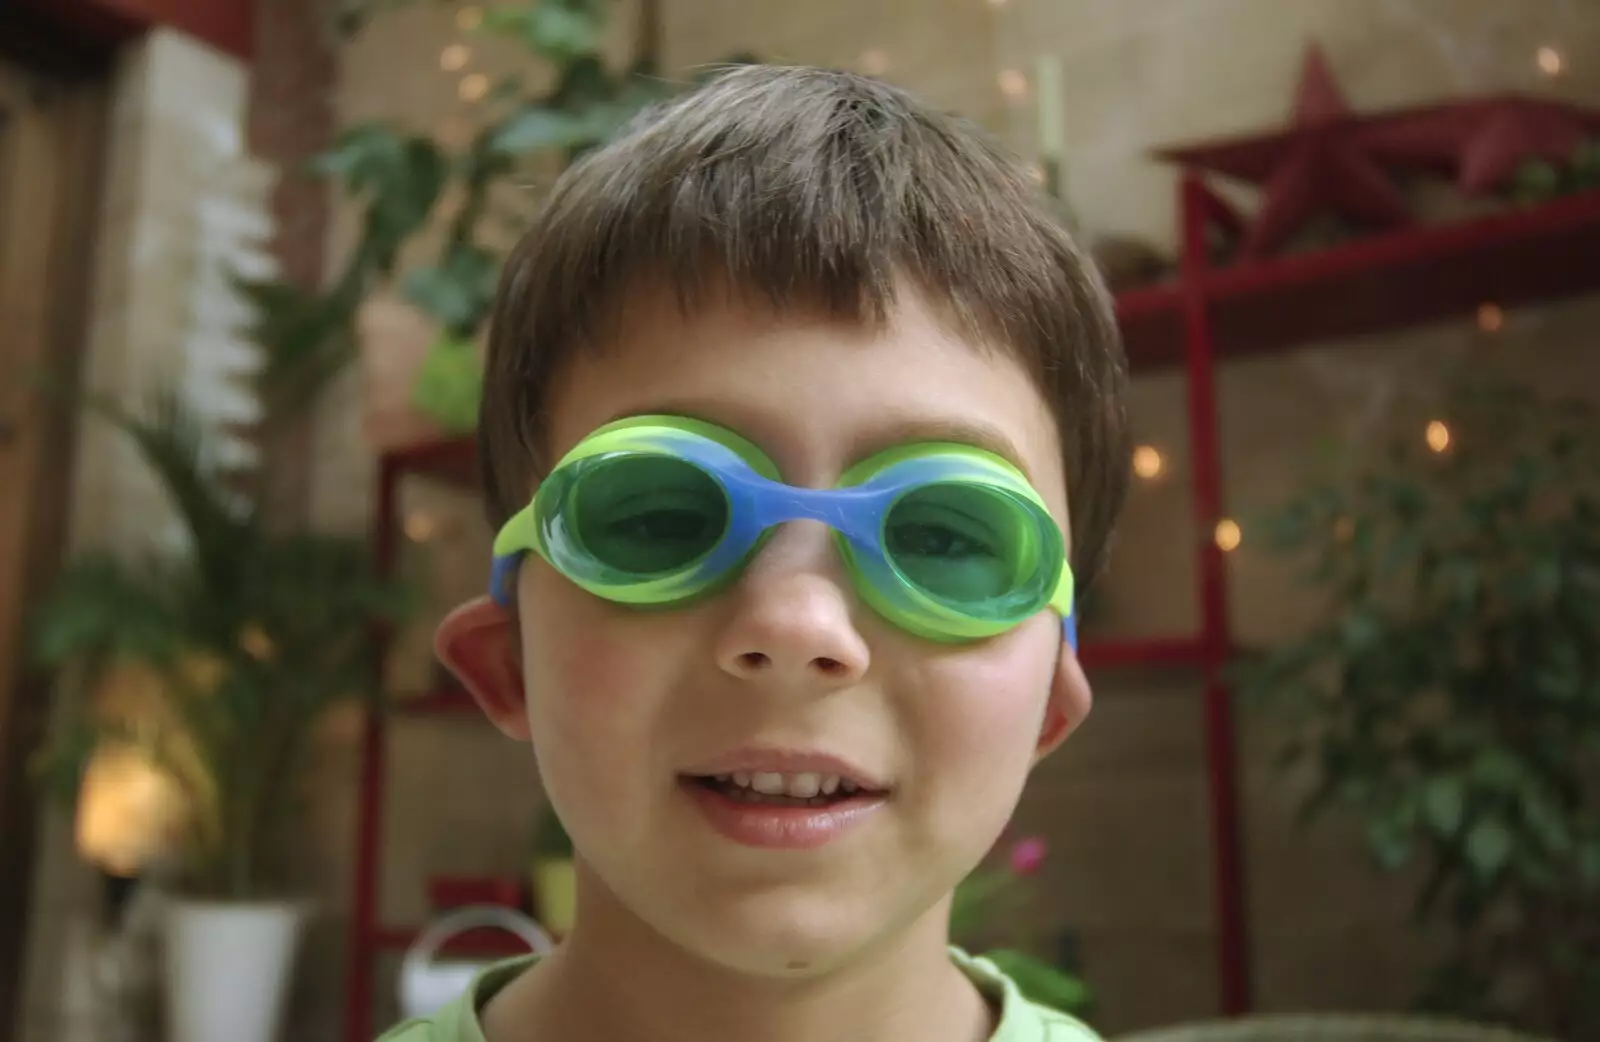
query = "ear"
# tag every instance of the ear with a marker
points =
(1070, 702)
(478, 643)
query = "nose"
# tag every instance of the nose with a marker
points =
(791, 622)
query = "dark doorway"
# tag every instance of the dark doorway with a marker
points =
(52, 115)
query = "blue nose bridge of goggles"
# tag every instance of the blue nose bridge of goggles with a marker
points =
(758, 503)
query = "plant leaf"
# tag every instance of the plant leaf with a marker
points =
(1043, 983)
(1444, 804)
(557, 31)
(449, 385)
(539, 128)
(1489, 847)
(458, 292)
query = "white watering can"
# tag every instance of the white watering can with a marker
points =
(427, 984)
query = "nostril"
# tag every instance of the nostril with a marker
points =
(754, 660)
(829, 666)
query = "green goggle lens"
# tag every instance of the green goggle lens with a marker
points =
(646, 515)
(965, 545)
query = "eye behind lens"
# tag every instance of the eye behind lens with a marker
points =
(641, 516)
(978, 549)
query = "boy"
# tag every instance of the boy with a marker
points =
(809, 383)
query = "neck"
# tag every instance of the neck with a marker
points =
(616, 979)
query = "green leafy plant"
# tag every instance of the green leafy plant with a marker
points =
(1451, 698)
(1539, 180)
(249, 637)
(450, 385)
(403, 183)
(984, 913)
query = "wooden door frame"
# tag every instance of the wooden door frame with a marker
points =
(76, 96)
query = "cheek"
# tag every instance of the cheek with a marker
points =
(593, 699)
(979, 723)
(576, 663)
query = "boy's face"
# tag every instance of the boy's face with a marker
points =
(625, 706)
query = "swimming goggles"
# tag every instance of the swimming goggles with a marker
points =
(946, 541)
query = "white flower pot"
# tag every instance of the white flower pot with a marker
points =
(228, 969)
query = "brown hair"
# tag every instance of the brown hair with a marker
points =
(817, 190)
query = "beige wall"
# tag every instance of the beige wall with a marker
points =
(1140, 73)
(1125, 804)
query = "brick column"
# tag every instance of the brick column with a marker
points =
(291, 119)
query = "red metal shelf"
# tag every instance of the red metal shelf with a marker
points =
(1169, 651)
(1382, 282)
(453, 460)
(1151, 320)
(473, 944)
(443, 702)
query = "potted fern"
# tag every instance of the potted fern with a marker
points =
(247, 636)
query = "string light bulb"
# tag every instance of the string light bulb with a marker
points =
(126, 811)
(1147, 462)
(420, 527)
(255, 642)
(469, 18)
(1491, 317)
(1550, 61)
(1228, 535)
(454, 58)
(874, 62)
(1438, 435)
(1013, 84)
(474, 87)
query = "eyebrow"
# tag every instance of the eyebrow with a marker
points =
(893, 430)
(903, 430)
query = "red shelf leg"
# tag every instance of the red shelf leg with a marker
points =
(1199, 348)
(364, 937)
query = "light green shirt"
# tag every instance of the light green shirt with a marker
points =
(1020, 1020)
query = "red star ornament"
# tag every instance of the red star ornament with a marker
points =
(1319, 164)
(1427, 137)
(1512, 131)
(1482, 142)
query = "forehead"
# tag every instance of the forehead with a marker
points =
(816, 395)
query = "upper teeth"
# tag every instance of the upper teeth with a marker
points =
(803, 785)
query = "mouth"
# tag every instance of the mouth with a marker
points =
(779, 789)
(785, 802)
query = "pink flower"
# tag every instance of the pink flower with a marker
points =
(1027, 855)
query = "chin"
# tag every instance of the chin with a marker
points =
(780, 935)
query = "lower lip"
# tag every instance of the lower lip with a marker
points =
(777, 827)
